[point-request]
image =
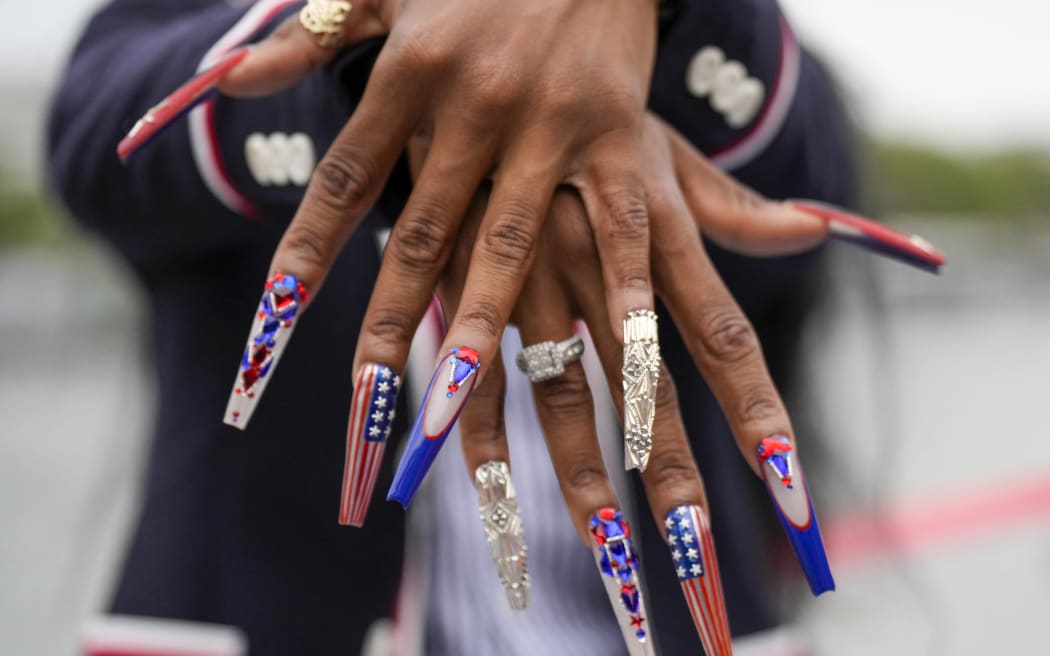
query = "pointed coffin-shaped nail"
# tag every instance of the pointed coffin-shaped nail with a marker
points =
(272, 327)
(618, 564)
(787, 488)
(167, 111)
(503, 530)
(641, 373)
(449, 389)
(371, 416)
(693, 555)
(878, 238)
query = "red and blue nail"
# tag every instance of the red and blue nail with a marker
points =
(371, 417)
(787, 488)
(844, 226)
(162, 115)
(618, 564)
(695, 563)
(282, 300)
(449, 389)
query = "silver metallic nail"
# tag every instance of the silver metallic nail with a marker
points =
(641, 373)
(503, 530)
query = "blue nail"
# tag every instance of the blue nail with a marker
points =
(790, 495)
(447, 393)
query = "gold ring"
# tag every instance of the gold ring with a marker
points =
(324, 19)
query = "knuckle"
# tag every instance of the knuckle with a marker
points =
(419, 52)
(510, 241)
(673, 470)
(584, 472)
(307, 246)
(565, 398)
(418, 241)
(628, 215)
(758, 405)
(727, 336)
(345, 181)
(484, 318)
(389, 327)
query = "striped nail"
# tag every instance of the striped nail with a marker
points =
(693, 554)
(618, 564)
(162, 115)
(371, 416)
(503, 530)
(281, 302)
(449, 389)
(641, 373)
(787, 487)
(875, 237)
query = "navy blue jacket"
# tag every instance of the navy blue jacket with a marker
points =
(240, 528)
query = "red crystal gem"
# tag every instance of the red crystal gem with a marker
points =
(636, 621)
(453, 387)
(607, 513)
(468, 355)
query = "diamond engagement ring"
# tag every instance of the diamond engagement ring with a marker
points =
(547, 360)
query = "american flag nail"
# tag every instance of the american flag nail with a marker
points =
(371, 417)
(693, 556)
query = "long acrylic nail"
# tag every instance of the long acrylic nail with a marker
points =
(371, 416)
(878, 238)
(618, 564)
(274, 322)
(788, 490)
(693, 554)
(641, 373)
(503, 530)
(449, 389)
(167, 111)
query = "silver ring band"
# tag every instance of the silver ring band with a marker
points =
(547, 360)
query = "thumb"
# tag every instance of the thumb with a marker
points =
(734, 216)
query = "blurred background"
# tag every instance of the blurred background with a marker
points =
(928, 393)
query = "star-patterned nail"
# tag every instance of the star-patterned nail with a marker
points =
(641, 373)
(872, 235)
(618, 564)
(693, 555)
(782, 474)
(199, 89)
(371, 416)
(498, 503)
(281, 303)
(447, 393)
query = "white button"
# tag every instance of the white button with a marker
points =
(279, 153)
(700, 76)
(746, 103)
(279, 159)
(730, 75)
(257, 154)
(301, 159)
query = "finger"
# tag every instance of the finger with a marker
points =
(616, 202)
(502, 255)
(676, 498)
(483, 437)
(566, 413)
(290, 52)
(733, 215)
(342, 190)
(725, 347)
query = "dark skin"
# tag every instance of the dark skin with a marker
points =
(501, 93)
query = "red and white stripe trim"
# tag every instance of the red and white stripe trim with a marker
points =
(204, 141)
(117, 635)
(768, 124)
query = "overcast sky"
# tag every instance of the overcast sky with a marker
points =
(959, 73)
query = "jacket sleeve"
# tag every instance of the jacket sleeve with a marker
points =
(199, 184)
